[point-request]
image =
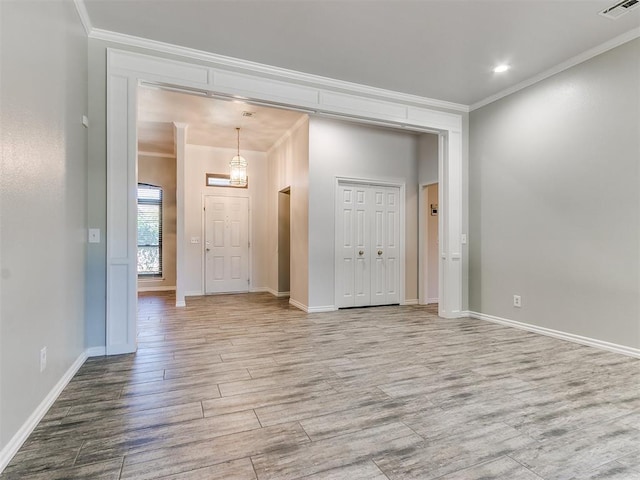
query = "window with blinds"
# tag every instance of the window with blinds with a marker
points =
(149, 230)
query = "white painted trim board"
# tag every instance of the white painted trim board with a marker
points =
(160, 288)
(570, 337)
(12, 447)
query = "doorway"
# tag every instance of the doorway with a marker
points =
(284, 242)
(430, 245)
(126, 70)
(226, 244)
(368, 245)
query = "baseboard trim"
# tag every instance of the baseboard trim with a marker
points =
(275, 293)
(195, 293)
(181, 303)
(160, 288)
(570, 337)
(23, 433)
(298, 305)
(306, 309)
(322, 309)
(259, 290)
(433, 300)
(100, 351)
(411, 301)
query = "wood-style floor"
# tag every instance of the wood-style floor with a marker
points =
(243, 386)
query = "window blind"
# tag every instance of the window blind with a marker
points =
(149, 230)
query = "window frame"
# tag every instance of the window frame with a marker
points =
(159, 202)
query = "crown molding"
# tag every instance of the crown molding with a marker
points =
(334, 84)
(81, 8)
(283, 73)
(572, 62)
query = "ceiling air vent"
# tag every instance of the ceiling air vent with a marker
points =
(616, 11)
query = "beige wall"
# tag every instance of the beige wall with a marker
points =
(43, 198)
(284, 242)
(200, 160)
(161, 172)
(288, 163)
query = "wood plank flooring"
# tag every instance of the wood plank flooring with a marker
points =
(241, 387)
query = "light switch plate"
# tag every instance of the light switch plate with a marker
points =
(463, 239)
(195, 239)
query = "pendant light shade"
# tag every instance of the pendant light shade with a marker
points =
(238, 165)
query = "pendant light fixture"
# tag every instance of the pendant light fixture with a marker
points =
(238, 165)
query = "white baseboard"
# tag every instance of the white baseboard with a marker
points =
(299, 305)
(433, 300)
(194, 293)
(258, 289)
(275, 293)
(591, 342)
(96, 351)
(307, 309)
(23, 433)
(160, 288)
(410, 301)
(181, 303)
(322, 309)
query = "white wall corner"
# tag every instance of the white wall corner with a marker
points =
(298, 305)
(12, 447)
(99, 351)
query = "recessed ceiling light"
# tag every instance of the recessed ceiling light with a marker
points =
(501, 68)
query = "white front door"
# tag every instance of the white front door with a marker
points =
(367, 229)
(226, 244)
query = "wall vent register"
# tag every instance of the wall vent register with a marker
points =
(619, 9)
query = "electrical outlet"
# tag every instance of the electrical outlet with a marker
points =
(43, 359)
(517, 301)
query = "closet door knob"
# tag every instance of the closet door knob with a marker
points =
(379, 252)
(360, 253)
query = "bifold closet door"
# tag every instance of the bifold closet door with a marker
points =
(367, 229)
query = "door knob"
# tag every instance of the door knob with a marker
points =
(379, 252)
(208, 249)
(360, 253)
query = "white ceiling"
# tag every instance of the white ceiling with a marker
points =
(442, 49)
(212, 122)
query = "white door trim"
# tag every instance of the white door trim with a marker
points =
(125, 71)
(401, 186)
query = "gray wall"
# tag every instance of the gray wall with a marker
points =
(555, 201)
(43, 185)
